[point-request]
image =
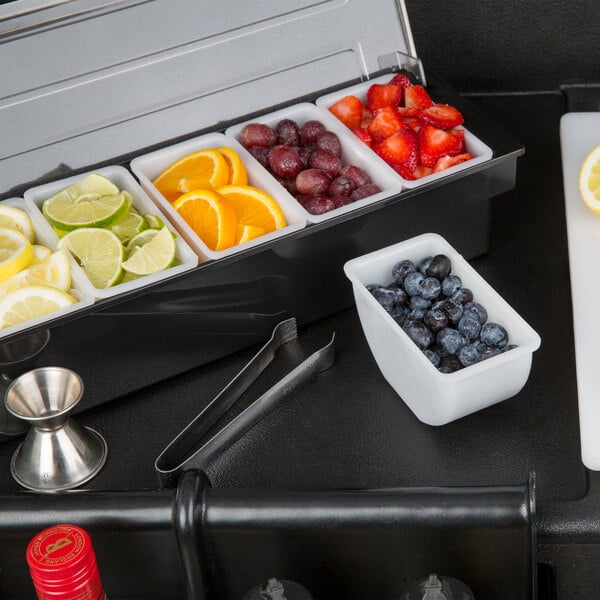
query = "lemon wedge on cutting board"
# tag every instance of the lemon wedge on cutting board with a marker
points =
(589, 180)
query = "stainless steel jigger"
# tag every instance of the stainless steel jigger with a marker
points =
(57, 454)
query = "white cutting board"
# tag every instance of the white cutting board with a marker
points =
(579, 134)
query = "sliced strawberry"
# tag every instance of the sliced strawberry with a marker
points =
(449, 161)
(460, 134)
(400, 149)
(407, 112)
(443, 116)
(413, 123)
(367, 117)
(416, 96)
(435, 143)
(348, 110)
(385, 123)
(404, 172)
(400, 79)
(363, 135)
(422, 171)
(381, 95)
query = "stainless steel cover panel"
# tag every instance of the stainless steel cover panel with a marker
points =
(86, 81)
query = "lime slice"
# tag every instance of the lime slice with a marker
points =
(154, 222)
(15, 218)
(129, 226)
(99, 252)
(16, 252)
(55, 271)
(40, 252)
(92, 185)
(153, 256)
(60, 232)
(31, 301)
(88, 210)
(139, 240)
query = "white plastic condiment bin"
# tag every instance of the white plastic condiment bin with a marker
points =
(438, 398)
(124, 180)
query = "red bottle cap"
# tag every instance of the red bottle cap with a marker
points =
(63, 564)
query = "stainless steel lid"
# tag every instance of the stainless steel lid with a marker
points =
(84, 81)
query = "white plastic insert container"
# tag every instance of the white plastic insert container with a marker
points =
(80, 288)
(353, 152)
(149, 166)
(438, 398)
(480, 151)
(124, 180)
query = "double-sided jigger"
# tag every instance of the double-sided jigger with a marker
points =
(57, 454)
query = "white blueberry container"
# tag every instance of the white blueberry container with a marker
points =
(481, 152)
(124, 180)
(353, 152)
(438, 398)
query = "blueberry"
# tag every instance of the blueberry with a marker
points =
(399, 313)
(451, 284)
(401, 296)
(478, 310)
(412, 283)
(430, 288)
(418, 333)
(401, 269)
(453, 309)
(449, 364)
(494, 335)
(438, 304)
(470, 354)
(470, 326)
(419, 302)
(450, 340)
(433, 356)
(439, 267)
(436, 320)
(463, 295)
(385, 297)
(373, 286)
(417, 314)
(424, 264)
(489, 352)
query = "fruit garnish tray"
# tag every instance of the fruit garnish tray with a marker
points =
(87, 84)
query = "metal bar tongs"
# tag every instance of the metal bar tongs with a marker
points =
(178, 455)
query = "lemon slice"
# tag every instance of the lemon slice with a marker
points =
(99, 252)
(87, 210)
(129, 226)
(589, 180)
(30, 302)
(15, 218)
(55, 271)
(16, 252)
(155, 255)
(40, 252)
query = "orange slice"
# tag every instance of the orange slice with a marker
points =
(200, 170)
(237, 170)
(254, 207)
(210, 216)
(245, 233)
